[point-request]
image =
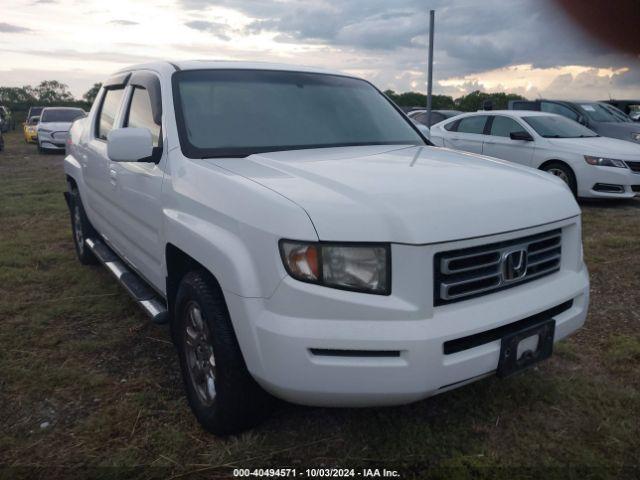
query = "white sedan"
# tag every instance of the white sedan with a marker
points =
(591, 165)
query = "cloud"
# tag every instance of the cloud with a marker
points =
(218, 29)
(124, 22)
(9, 28)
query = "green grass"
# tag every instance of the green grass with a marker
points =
(76, 353)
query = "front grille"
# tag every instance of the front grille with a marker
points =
(471, 272)
(635, 166)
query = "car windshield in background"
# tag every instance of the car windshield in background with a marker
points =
(598, 112)
(236, 113)
(549, 126)
(49, 116)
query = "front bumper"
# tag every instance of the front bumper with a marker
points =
(31, 137)
(294, 343)
(52, 140)
(592, 180)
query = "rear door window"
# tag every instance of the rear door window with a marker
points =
(108, 111)
(474, 124)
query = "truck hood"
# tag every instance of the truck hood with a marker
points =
(408, 194)
(605, 146)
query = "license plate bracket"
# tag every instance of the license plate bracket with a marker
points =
(509, 362)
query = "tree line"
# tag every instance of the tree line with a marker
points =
(47, 93)
(52, 92)
(467, 103)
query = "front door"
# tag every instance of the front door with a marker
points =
(499, 144)
(137, 211)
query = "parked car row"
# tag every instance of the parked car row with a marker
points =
(591, 165)
(48, 127)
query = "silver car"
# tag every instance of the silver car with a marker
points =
(54, 126)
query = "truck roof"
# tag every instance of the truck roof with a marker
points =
(169, 66)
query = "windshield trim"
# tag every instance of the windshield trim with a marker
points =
(192, 152)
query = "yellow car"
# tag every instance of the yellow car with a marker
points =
(30, 132)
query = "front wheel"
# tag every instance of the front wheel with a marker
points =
(221, 392)
(564, 173)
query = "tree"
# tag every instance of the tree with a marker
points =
(52, 91)
(416, 99)
(13, 95)
(91, 94)
(475, 100)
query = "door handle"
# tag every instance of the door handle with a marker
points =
(113, 177)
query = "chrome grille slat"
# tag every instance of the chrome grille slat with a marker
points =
(457, 278)
(533, 263)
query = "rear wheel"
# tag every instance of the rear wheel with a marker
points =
(81, 228)
(221, 392)
(564, 173)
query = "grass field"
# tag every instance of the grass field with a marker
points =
(87, 382)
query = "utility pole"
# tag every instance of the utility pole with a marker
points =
(432, 18)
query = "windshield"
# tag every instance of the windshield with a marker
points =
(33, 121)
(54, 115)
(598, 112)
(555, 126)
(236, 113)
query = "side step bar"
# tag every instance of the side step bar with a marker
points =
(147, 298)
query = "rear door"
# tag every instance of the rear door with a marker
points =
(136, 210)
(500, 145)
(468, 134)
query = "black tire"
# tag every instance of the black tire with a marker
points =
(564, 172)
(212, 358)
(81, 229)
(41, 150)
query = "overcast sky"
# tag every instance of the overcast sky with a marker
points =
(523, 46)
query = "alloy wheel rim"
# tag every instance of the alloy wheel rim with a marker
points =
(199, 354)
(560, 174)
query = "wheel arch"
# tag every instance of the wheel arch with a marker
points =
(564, 163)
(178, 264)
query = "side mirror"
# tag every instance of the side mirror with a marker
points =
(522, 135)
(129, 145)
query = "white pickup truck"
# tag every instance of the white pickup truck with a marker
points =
(305, 241)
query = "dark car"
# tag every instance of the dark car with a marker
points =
(600, 117)
(437, 116)
(630, 107)
(34, 112)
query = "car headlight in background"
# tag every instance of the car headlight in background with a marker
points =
(635, 137)
(358, 267)
(605, 162)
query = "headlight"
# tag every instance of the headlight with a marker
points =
(635, 137)
(358, 267)
(605, 162)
